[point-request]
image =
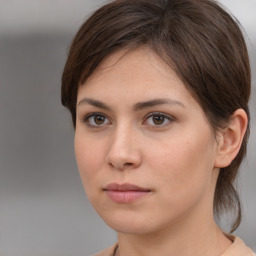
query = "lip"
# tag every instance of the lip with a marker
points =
(125, 193)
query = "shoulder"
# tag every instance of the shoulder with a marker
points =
(107, 252)
(238, 248)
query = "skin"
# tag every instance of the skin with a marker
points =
(174, 154)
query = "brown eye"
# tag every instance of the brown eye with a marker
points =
(158, 120)
(95, 120)
(99, 120)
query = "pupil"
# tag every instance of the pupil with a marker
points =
(158, 119)
(99, 119)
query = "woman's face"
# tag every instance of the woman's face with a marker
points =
(144, 147)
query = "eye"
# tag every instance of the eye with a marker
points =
(96, 120)
(158, 119)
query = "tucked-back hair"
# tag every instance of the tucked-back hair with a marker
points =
(200, 41)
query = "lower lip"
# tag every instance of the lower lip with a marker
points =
(123, 197)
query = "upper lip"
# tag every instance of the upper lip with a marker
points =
(125, 187)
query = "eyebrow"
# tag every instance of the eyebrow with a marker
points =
(138, 106)
(93, 102)
(154, 102)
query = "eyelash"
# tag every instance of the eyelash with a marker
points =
(162, 115)
(87, 117)
(169, 118)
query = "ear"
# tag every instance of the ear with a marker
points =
(230, 139)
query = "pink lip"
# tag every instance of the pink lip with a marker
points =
(125, 193)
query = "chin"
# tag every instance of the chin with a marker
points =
(129, 228)
(131, 223)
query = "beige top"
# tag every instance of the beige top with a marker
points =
(238, 248)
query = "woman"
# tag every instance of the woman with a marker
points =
(158, 92)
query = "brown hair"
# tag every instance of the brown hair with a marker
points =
(197, 38)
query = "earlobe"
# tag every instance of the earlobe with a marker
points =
(231, 138)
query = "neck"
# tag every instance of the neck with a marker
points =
(182, 238)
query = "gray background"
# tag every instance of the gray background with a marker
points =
(43, 208)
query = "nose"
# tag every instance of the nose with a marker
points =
(124, 152)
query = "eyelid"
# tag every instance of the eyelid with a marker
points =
(86, 117)
(167, 116)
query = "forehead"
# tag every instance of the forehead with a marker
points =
(140, 66)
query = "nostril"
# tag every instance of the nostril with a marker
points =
(127, 164)
(121, 166)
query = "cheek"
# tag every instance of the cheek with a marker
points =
(183, 166)
(87, 161)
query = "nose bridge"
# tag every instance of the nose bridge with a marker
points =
(124, 148)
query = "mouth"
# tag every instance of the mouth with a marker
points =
(125, 193)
